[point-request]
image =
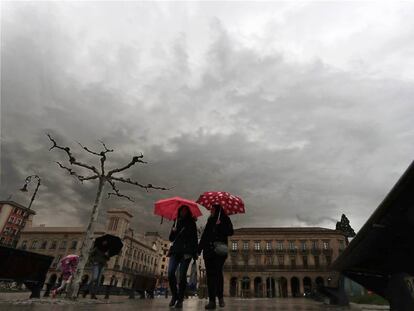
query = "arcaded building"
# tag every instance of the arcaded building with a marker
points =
(140, 254)
(281, 262)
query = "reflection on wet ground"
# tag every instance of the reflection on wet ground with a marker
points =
(158, 304)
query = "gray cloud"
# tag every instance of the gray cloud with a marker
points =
(300, 142)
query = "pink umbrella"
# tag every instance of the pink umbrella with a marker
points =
(69, 263)
(231, 204)
(168, 208)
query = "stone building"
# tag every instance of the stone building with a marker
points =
(281, 262)
(13, 218)
(138, 256)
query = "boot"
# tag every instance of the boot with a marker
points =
(179, 304)
(221, 303)
(173, 301)
(211, 305)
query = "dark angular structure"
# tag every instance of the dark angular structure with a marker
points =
(381, 256)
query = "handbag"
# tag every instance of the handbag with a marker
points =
(220, 248)
(172, 243)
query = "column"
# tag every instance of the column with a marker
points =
(289, 287)
(277, 287)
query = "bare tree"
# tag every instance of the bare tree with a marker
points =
(103, 177)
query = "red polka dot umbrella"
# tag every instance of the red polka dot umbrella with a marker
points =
(231, 204)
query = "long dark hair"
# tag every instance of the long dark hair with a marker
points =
(187, 217)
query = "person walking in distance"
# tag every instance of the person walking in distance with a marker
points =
(213, 245)
(183, 237)
(98, 257)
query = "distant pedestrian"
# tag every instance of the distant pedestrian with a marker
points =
(68, 267)
(98, 257)
(183, 236)
(213, 244)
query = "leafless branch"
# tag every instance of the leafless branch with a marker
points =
(134, 160)
(72, 159)
(73, 173)
(106, 148)
(116, 191)
(135, 183)
(88, 150)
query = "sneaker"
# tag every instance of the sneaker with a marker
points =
(221, 303)
(179, 304)
(210, 306)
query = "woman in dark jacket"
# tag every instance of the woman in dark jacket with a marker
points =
(218, 229)
(184, 247)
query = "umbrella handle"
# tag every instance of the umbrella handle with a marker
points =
(162, 220)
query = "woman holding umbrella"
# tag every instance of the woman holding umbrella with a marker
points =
(214, 240)
(183, 237)
(214, 237)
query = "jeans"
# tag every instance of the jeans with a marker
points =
(97, 271)
(214, 271)
(175, 261)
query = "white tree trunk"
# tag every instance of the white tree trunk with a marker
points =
(87, 242)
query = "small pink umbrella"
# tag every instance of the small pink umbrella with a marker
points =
(168, 208)
(69, 263)
(231, 204)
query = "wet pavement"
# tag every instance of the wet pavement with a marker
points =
(19, 302)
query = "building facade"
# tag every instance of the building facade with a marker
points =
(281, 262)
(138, 256)
(13, 218)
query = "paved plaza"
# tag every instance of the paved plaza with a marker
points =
(14, 302)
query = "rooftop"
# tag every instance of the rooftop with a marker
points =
(15, 204)
(294, 230)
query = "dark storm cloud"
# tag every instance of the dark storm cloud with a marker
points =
(300, 142)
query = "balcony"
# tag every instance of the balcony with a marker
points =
(280, 251)
(293, 251)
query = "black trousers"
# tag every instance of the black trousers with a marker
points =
(214, 271)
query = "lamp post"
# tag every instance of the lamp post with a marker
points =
(26, 214)
(24, 188)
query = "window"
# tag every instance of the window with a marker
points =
(234, 245)
(293, 262)
(304, 246)
(279, 245)
(317, 263)
(328, 260)
(162, 267)
(257, 245)
(292, 245)
(74, 244)
(268, 245)
(281, 260)
(63, 245)
(341, 245)
(53, 245)
(326, 245)
(314, 244)
(33, 245)
(245, 245)
(43, 245)
(268, 260)
(257, 260)
(11, 219)
(305, 261)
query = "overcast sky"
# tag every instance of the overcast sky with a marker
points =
(303, 109)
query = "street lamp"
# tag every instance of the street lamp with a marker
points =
(26, 182)
(26, 214)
